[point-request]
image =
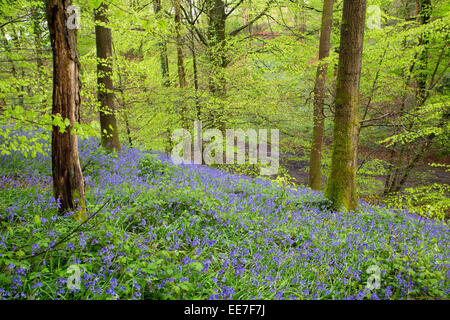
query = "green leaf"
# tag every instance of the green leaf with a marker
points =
(197, 266)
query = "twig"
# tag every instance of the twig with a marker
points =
(70, 234)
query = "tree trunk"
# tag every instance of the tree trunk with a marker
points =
(341, 188)
(194, 67)
(216, 37)
(38, 40)
(424, 14)
(125, 109)
(218, 62)
(163, 50)
(315, 163)
(180, 61)
(165, 77)
(180, 56)
(68, 182)
(17, 88)
(108, 122)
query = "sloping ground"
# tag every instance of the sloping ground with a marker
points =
(193, 232)
(421, 175)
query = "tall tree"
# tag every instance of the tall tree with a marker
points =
(216, 38)
(163, 49)
(315, 163)
(424, 9)
(68, 182)
(180, 56)
(108, 122)
(218, 60)
(180, 60)
(341, 187)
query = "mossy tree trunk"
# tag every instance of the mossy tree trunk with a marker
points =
(315, 163)
(68, 182)
(108, 122)
(216, 38)
(218, 61)
(341, 187)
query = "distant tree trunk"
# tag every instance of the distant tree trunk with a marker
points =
(197, 138)
(398, 174)
(38, 38)
(424, 15)
(315, 163)
(180, 56)
(180, 60)
(165, 76)
(108, 122)
(248, 18)
(163, 50)
(216, 37)
(68, 182)
(341, 188)
(125, 109)
(16, 41)
(218, 60)
(194, 66)
(17, 88)
(424, 10)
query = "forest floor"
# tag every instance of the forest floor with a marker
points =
(160, 231)
(421, 175)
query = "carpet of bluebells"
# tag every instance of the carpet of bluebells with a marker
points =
(160, 231)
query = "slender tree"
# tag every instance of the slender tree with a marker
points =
(68, 182)
(180, 56)
(424, 9)
(108, 122)
(217, 59)
(163, 49)
(341, 187)
(216, 38)
(315, 163)
(180, 60)
(395, 179)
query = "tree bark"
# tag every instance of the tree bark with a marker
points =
(194, 66)
(157, 7)
(68, 182)
(163, 50)
(180, 56)
(424, 15)
(108, 122)
(218, 60)
(341, 188)
(315, 163)
(38, 39)
(180, 60)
